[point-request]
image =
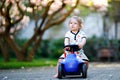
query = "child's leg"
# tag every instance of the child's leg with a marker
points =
(59, 60)
(87, 63)
(83, 57)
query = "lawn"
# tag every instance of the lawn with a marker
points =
(14, 64)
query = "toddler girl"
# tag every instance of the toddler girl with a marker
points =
(76, 37)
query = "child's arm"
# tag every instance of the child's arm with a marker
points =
(81, 44)
(67, 42)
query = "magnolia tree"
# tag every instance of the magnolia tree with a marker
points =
(11, 14)
(16, 14)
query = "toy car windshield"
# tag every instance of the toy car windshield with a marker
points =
(73, 47)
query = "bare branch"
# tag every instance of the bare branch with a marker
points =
(21, 11)
(7, 18)
(1, 12)
(45, 14)
(61, 19)
(51, 16)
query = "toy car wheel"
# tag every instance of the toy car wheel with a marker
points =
(84, 71)
(60, 71)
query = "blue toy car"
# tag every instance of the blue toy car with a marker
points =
(71, 65)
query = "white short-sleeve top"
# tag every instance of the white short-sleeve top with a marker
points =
(74, 38)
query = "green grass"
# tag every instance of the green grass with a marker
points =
(14, 64)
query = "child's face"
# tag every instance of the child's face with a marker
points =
(74, 25)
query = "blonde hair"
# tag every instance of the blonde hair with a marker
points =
(79, 20)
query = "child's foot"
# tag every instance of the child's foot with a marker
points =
(55, 76)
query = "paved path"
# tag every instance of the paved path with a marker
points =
(97, 71)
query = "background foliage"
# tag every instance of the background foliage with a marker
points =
(54, 48)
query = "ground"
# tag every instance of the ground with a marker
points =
(96, 71)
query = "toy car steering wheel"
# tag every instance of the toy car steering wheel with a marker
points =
(73, 48)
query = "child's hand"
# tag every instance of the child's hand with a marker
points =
(67, 48)
(80, 46)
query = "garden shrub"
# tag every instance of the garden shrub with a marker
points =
(54, 48)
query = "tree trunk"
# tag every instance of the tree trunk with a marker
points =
(5, 50)
(16, 49)
(34, 49)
